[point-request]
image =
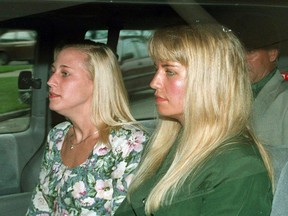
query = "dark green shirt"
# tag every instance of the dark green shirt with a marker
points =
(233, 181)
(257, 87)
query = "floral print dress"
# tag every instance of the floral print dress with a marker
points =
(97, 186)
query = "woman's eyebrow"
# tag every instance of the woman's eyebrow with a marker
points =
(170, 65)
(60, 66)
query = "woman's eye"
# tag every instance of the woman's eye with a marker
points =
(64, 74)
(170, 73)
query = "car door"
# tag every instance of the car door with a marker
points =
(23, 126)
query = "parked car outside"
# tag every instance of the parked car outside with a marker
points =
(136, 66)
(17, 45)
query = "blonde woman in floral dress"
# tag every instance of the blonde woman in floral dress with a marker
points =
(89, 161)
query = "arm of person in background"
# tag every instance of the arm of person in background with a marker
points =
(279, 207)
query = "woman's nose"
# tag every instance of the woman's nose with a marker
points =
(52, 80)
(156, 81)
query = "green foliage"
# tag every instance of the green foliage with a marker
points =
(9, 95)
(9, 68)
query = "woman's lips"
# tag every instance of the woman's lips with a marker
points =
(52, 95)
(160, 99)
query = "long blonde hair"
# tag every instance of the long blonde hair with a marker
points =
(217, 104)
(110, 105)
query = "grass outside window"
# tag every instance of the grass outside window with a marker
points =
(9, 95)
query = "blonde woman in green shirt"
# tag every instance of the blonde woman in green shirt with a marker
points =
(203, 159)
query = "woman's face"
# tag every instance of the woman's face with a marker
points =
(169, 83)
(70, 86)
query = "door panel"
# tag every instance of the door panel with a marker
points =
(23, 128)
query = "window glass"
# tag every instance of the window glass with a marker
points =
(142, 48)
(16, 55)
(97, 35)
(136, 66)
(127, 49)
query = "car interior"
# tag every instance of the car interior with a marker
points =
(125, 26)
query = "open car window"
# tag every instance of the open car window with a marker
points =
(17, 53)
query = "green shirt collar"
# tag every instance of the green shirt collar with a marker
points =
(257, 87)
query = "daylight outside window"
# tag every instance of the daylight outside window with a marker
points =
(136, 66)
(16, 54)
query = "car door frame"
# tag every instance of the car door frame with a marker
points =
(21, 147)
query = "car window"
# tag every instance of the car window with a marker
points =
(97, 35)
(17, 35)
(136, 66)
(16, 55)
(128, 49)
(142, 48)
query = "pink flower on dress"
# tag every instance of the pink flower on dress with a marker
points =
(119, 171)
(108, 206)
(134, 143)
(87, 201)
(101, 150)
(58, 134)
(118, 143)
(58, 139)
(40, 203)
(88, 212)
(119, 185)
(104, 189)
(79, 190)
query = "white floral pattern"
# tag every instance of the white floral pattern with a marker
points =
(96, 187)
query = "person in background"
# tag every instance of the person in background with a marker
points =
(261, 39)
(89, 160)
(203, 159)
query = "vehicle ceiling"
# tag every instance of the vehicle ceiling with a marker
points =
(138, 13)
(10, 9)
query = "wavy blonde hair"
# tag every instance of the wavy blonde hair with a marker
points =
(110, 101)
(217, 105)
